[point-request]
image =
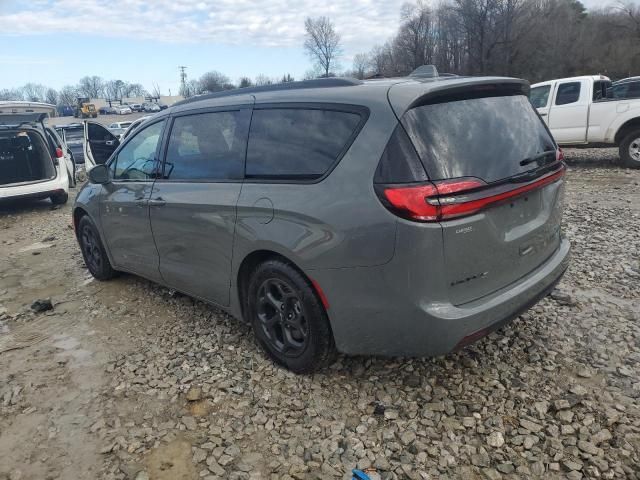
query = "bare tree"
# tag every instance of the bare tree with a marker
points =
(214, 81)
(261, 80)
(11, 94)
(113, 91)
(34, 92)
(51, 96)
(155, 91)
(67, 96)
(360, 65)
(245, 82)
(91, 86)
(322, 43)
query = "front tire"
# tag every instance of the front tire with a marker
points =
(630, 150)
(93, 252)
(288, 318)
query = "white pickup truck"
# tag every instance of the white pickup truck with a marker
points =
(586, 111)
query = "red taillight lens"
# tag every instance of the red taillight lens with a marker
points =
(445, 200)
(413, 201)
(59, 153)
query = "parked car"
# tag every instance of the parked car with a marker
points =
(58, 145)
(121, 110)
(162, 106)
(133, 125)
(31, 164)
(151, 107)
(117, 131)
(328, 224)
(72, 135)
(107, 110)
(580, 111)
(135, 107)
(123, 125)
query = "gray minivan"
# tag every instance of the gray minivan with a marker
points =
(405, 216)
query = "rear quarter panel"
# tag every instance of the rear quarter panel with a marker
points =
(337, 222)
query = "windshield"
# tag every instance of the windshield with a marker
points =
(487, 138)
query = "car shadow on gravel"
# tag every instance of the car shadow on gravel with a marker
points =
(18, 207)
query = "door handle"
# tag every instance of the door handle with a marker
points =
(157, 202)
(110, 142)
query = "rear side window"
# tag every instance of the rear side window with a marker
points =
(568, 93)
(539, 96)
(297, 143)
(626, 90)
(486, 138)
(206, 146)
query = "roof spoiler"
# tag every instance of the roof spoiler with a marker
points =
(425, 71)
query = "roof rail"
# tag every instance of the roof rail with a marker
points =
(316, 83)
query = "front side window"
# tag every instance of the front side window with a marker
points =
(297, 143)
(539, 96)
(137, 159)
(568, 93)
(206, 146)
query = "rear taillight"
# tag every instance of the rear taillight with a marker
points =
(59, 153)
(444, 200)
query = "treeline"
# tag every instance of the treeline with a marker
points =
(215, 81)
(532, 39)
(89, 86)
(114, 91)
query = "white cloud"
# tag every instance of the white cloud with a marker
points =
(277, 23)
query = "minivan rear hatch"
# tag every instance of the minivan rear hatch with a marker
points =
(496, 178)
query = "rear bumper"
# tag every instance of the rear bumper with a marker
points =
(370, 315)
(36, 190)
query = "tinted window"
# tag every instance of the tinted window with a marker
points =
(568, 93)
(480, 137)
(600, 89)
(539, 96)
(626, 90)
(206, 146)
(300, 143)
(137, 159)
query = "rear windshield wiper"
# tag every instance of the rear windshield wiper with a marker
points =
(535, 158)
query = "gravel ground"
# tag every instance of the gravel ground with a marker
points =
(127, 380)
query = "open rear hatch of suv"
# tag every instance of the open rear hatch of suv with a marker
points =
(492, 177)
(25, 155)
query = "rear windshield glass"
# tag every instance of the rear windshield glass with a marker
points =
(485, 138)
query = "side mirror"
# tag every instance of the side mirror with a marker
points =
(99, 175)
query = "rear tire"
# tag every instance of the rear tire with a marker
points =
(93, 252)
(630, 150)
(59, 198)
(288, 318)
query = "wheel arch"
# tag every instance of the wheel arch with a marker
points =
(626, 128)
(255, 258)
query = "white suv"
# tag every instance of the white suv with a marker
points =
(32, 162)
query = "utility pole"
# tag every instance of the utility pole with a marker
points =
(183, 80)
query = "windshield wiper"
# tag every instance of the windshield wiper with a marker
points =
(535, 158)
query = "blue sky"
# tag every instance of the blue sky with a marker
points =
(55, 42)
